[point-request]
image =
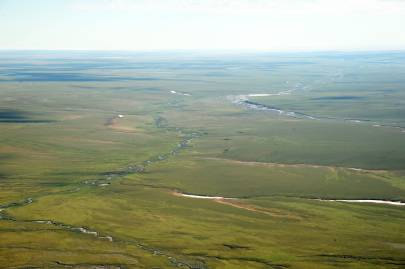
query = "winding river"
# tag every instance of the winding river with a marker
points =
(161, 123)
(370, 201)
(244, 101)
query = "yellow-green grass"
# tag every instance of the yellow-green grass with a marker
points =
(231, 178)
(297, 232)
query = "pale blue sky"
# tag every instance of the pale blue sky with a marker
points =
(274, 25)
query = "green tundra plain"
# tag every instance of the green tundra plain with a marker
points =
(114, 160)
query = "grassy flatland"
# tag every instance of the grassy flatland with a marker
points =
(265, 137)
(82, 186)
(246, 179)
(157, 218)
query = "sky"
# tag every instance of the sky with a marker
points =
(265, 25)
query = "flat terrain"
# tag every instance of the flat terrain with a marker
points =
(97, 150)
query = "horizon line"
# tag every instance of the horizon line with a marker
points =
(202, 50)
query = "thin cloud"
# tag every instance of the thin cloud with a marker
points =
(337, 7)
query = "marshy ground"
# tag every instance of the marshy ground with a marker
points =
(95, 154)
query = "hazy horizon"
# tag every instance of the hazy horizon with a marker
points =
(183, 25)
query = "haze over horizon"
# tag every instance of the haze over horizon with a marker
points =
(272, 25)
